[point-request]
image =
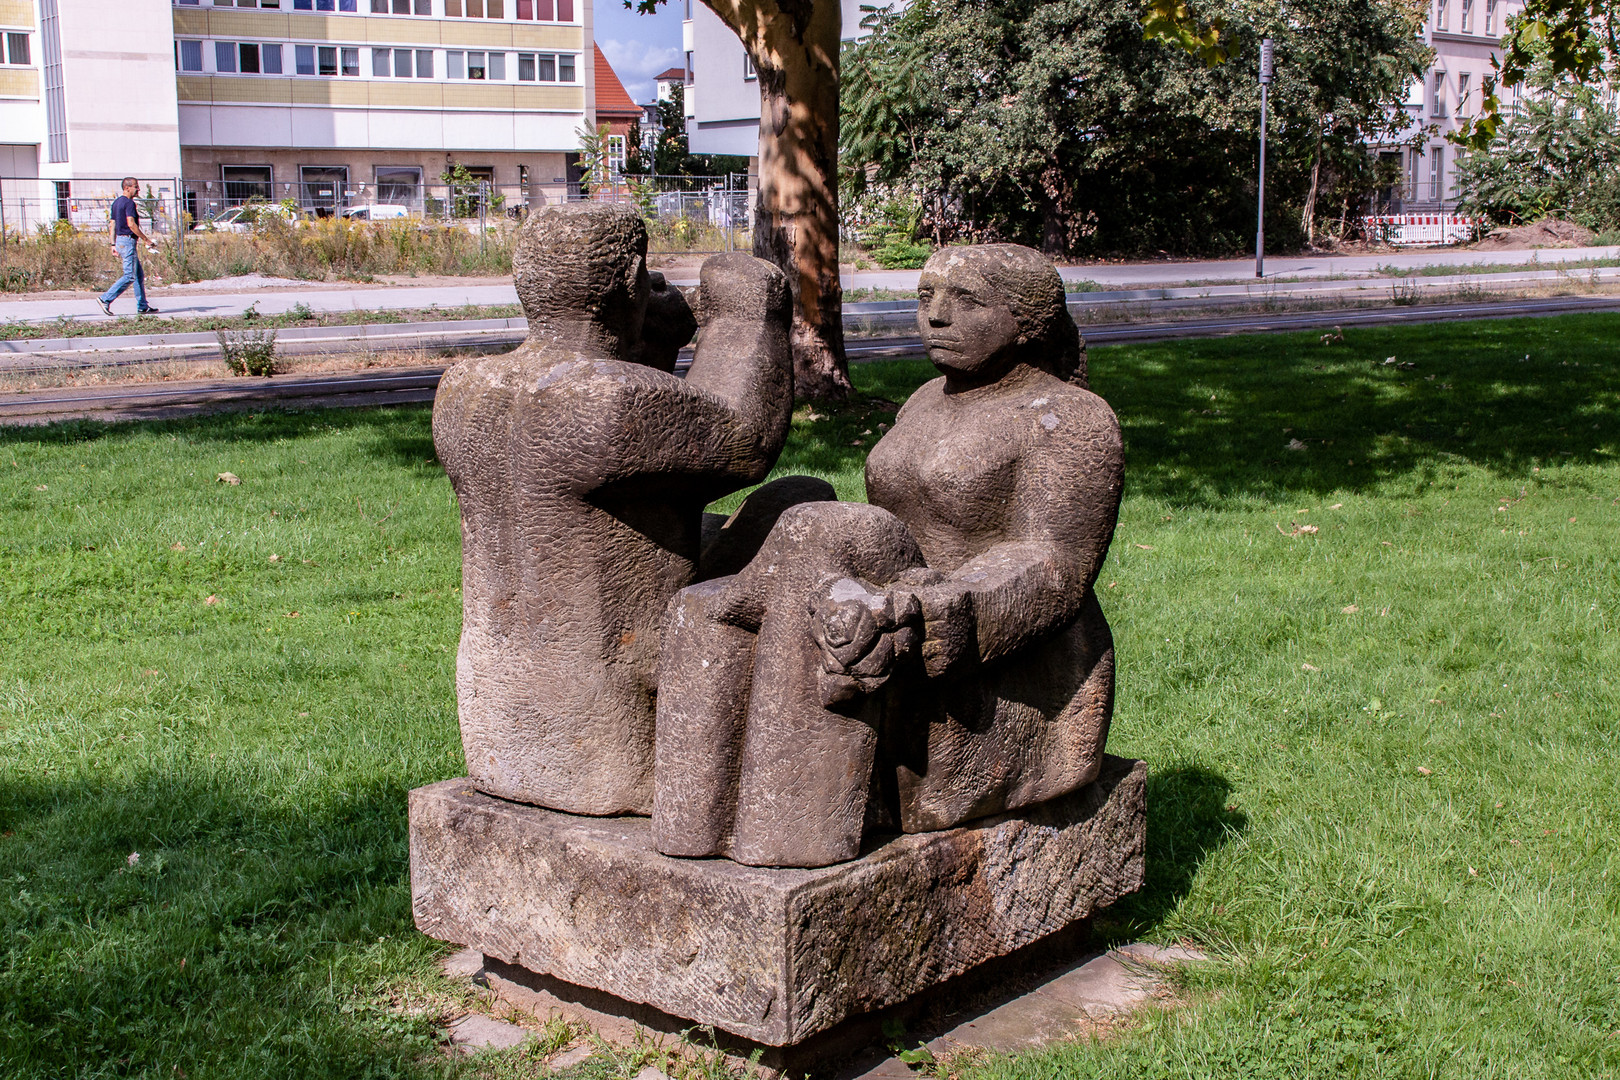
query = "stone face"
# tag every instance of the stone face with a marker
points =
(936, 656)
(769, 955)
(582, 474)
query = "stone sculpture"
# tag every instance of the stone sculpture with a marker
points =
(781, 685)
(582, 467)
(937, 656)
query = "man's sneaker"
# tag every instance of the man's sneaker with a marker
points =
(106, 308)
(149, 311)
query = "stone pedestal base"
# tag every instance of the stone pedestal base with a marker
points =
(773, 956)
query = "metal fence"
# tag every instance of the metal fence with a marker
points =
(690, 213)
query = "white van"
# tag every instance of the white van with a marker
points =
(377, 212)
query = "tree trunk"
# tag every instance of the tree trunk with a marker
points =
(795, 45)
(1307, 216)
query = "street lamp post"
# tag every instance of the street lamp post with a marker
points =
(1266, 57)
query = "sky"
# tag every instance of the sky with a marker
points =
(639, 46)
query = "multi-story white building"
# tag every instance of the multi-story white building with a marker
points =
(326, 102)
(1466, 36)
(722, 89)
(87, 92)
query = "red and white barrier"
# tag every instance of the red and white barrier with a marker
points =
(1422, 228)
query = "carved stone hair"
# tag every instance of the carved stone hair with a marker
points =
(1033, 292)
(583, 262)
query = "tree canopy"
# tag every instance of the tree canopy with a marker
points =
(1060, 123)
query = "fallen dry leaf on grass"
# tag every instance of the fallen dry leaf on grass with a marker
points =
(177, 546)
(1337, 506)
(290, 615)
(1145, 547)
(1294, 444)
(229, 478)
(1310, 667)
(211, 600)
(1424, 770)
(41, 487)
(275, 558)
(1310, 530)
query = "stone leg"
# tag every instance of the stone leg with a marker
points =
(749, 763)
(705, 671)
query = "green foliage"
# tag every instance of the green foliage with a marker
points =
(1059, 124)
(1574, 39)
(469, 195)
(890, 236)
(1557, 154)
(248, 352)
(1172, 21)
(593, 158)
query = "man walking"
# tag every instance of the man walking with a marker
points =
(126, 233)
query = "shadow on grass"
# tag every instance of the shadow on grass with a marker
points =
(1276, 415)
(242, 941)
(1188, 819)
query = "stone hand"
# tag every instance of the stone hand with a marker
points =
(862, 634)
(950, 636)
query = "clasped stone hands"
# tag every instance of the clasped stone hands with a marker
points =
(865, 634)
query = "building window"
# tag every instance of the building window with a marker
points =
(398, 186)
(244, 182)
(326, 60)
(749, 71)
(189, 55)
(691, 73)
(1463, 79)
(324, 188)
(455, 64)
(241, 3)
(225, 57)
(565, 69)
(1437, 170)
(1440, 14)
(1490, 17)
(17, 51)
(1468, 16)
(399, 63)
(1439, 94)
(325, 5)
(475, 9)
(475, 65)
(546, 10)
(402, 7)
(615, 153)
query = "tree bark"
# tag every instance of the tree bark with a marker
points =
(795, 46)
(1308, 214)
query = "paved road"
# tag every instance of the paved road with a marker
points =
(199, 301)
(143, 401)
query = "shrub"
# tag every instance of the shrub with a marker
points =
(249, 352)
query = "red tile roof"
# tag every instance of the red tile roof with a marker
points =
(611, 98)
(671, 74)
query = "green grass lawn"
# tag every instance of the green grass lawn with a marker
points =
(1384, 771)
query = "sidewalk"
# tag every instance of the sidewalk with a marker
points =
(199, 301)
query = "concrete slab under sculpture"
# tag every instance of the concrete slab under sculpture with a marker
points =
(774, 956)
(869, 737)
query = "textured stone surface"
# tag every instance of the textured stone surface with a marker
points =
(475, 1031)
(769, 955)
(582, 475)
(937, 656)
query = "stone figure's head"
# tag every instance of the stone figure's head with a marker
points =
(668, 326)
(982, 310)
(581, 274)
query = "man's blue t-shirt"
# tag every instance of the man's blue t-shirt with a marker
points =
(123, 208)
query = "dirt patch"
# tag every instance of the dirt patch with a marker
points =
(1546, 233)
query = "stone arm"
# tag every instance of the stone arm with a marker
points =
(723, 426)
(1024, 589)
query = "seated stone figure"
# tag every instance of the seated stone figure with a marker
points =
(582, 470)
(931, 658)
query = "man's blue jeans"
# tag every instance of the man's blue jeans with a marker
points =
(132, 273)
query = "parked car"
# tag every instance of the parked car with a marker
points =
(377, 212)
(242, 218)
